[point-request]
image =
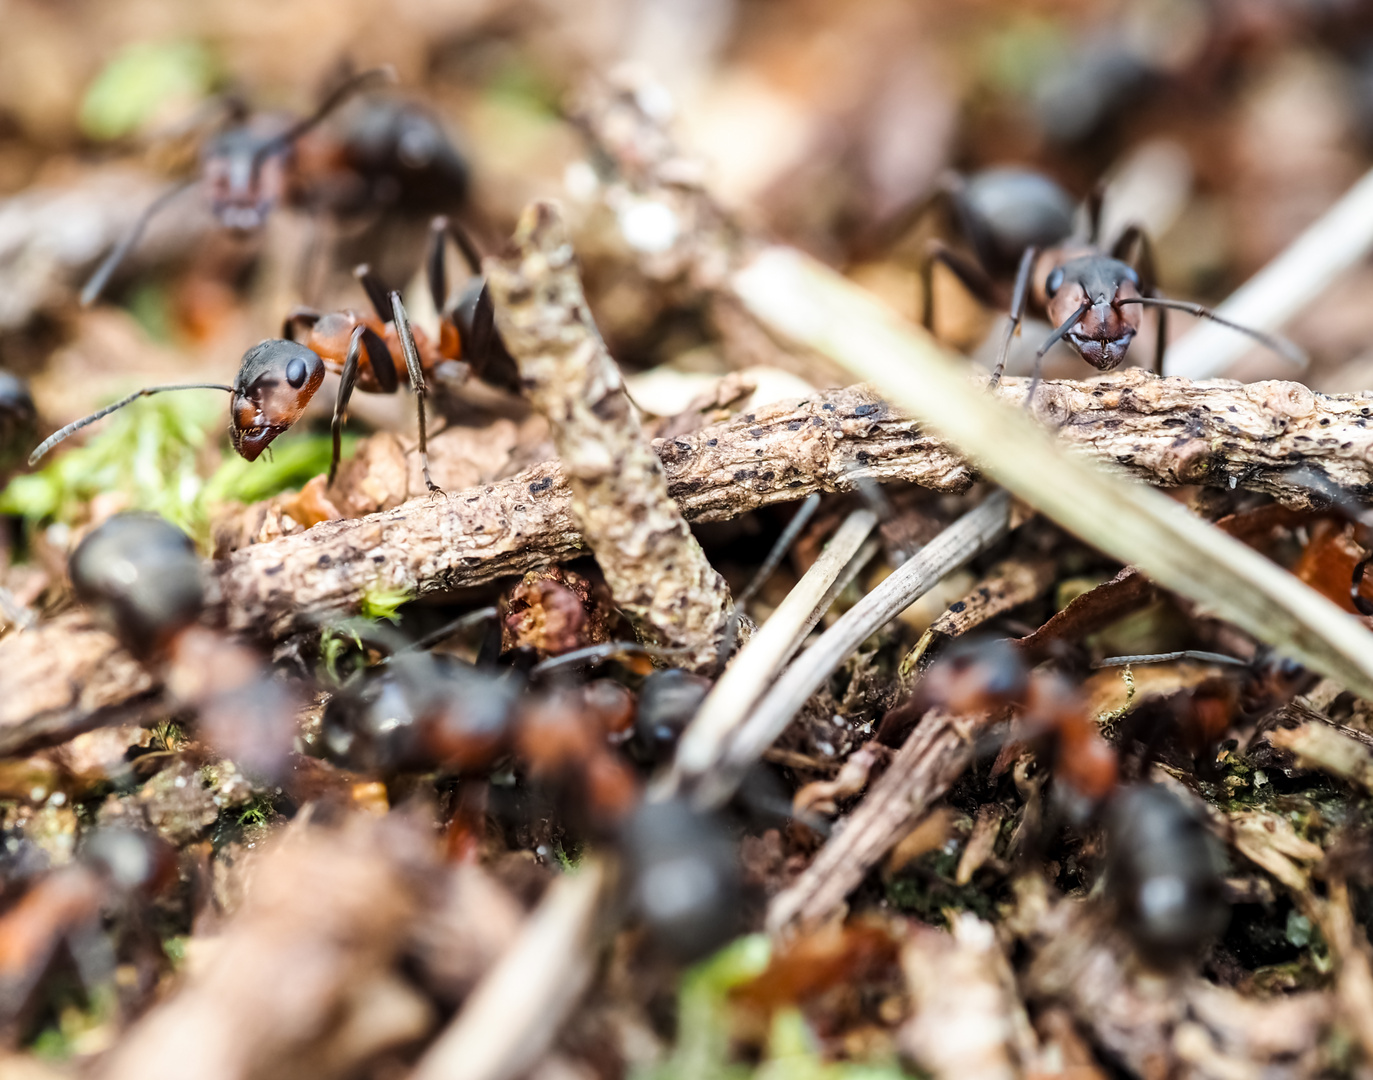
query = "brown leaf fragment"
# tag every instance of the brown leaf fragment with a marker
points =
(967, 1022)
(1007, 585)
(555, 611)
(302, 982)
(1110, 601)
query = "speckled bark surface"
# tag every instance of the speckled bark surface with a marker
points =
(1166, 431)
(653, 564)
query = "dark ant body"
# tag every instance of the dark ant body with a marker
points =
(1164, 869)
(141, 577)
(390, 154)
(18, 419)
(1090, 294)
(278, 377)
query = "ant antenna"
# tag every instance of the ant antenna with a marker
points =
(96, 285)
(1049, 342)
(1279, 345)
(341, 93)
(57, 436)
(595, 654)
(1199, 655)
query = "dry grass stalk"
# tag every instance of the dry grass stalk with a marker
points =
(933, 757)
(653, 564)
(807, 301)
(951, 549)
(732, 698)
(516, 1012)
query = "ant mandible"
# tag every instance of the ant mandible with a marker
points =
(244, 170)
(278, 377)
(1091, 295)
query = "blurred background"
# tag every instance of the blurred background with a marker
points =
(1223, 126)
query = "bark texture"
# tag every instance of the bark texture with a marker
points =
(653, 564)
(1165, 431)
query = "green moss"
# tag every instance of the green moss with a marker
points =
(152, 453)
(927, 890)
(383, 602)
(137, 84)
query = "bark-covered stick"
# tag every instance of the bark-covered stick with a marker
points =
(653, 564)
(933, 756)
(1166, 431)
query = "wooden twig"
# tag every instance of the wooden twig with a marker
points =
(517, 1010)
(807, 301)
(733, 696)
(653, 564)
(932, 757)
(1166, 431)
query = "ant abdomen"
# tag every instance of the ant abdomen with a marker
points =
(141, 576)
(1164, 871)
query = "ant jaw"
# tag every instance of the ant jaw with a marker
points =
(1102, 355)
(251, 441)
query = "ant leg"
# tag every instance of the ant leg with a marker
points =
(1018, 302)
(345, 392)
(1361, 605)
(298, 317)
(1134, 240)
(434, 270)
(1052, 340)
(972, 276)
(340, 94)
(96, 285)
(375, 290)
(416, 373)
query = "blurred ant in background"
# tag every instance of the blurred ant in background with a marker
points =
(141, 577)
(1017, 220)
(1164, 870)
(389, 154)
(278, 377)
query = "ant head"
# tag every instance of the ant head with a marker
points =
(977, 674)
(141, 575)
(275, 382)
(1103, 333)
(244, 181)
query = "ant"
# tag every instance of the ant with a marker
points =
(392, 153)
(1090, 294)
(141, 577)
(1164, 869)
(278, 377)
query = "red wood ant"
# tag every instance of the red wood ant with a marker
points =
(1091, 295)
(278, 377)
(392, 153)
(1164, 869)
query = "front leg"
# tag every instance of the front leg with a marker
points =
(345, 392)
(298, 317)
(416, 373)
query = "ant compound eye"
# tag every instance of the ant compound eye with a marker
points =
(1055, 281)
(295, 372)
(1132, 276)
